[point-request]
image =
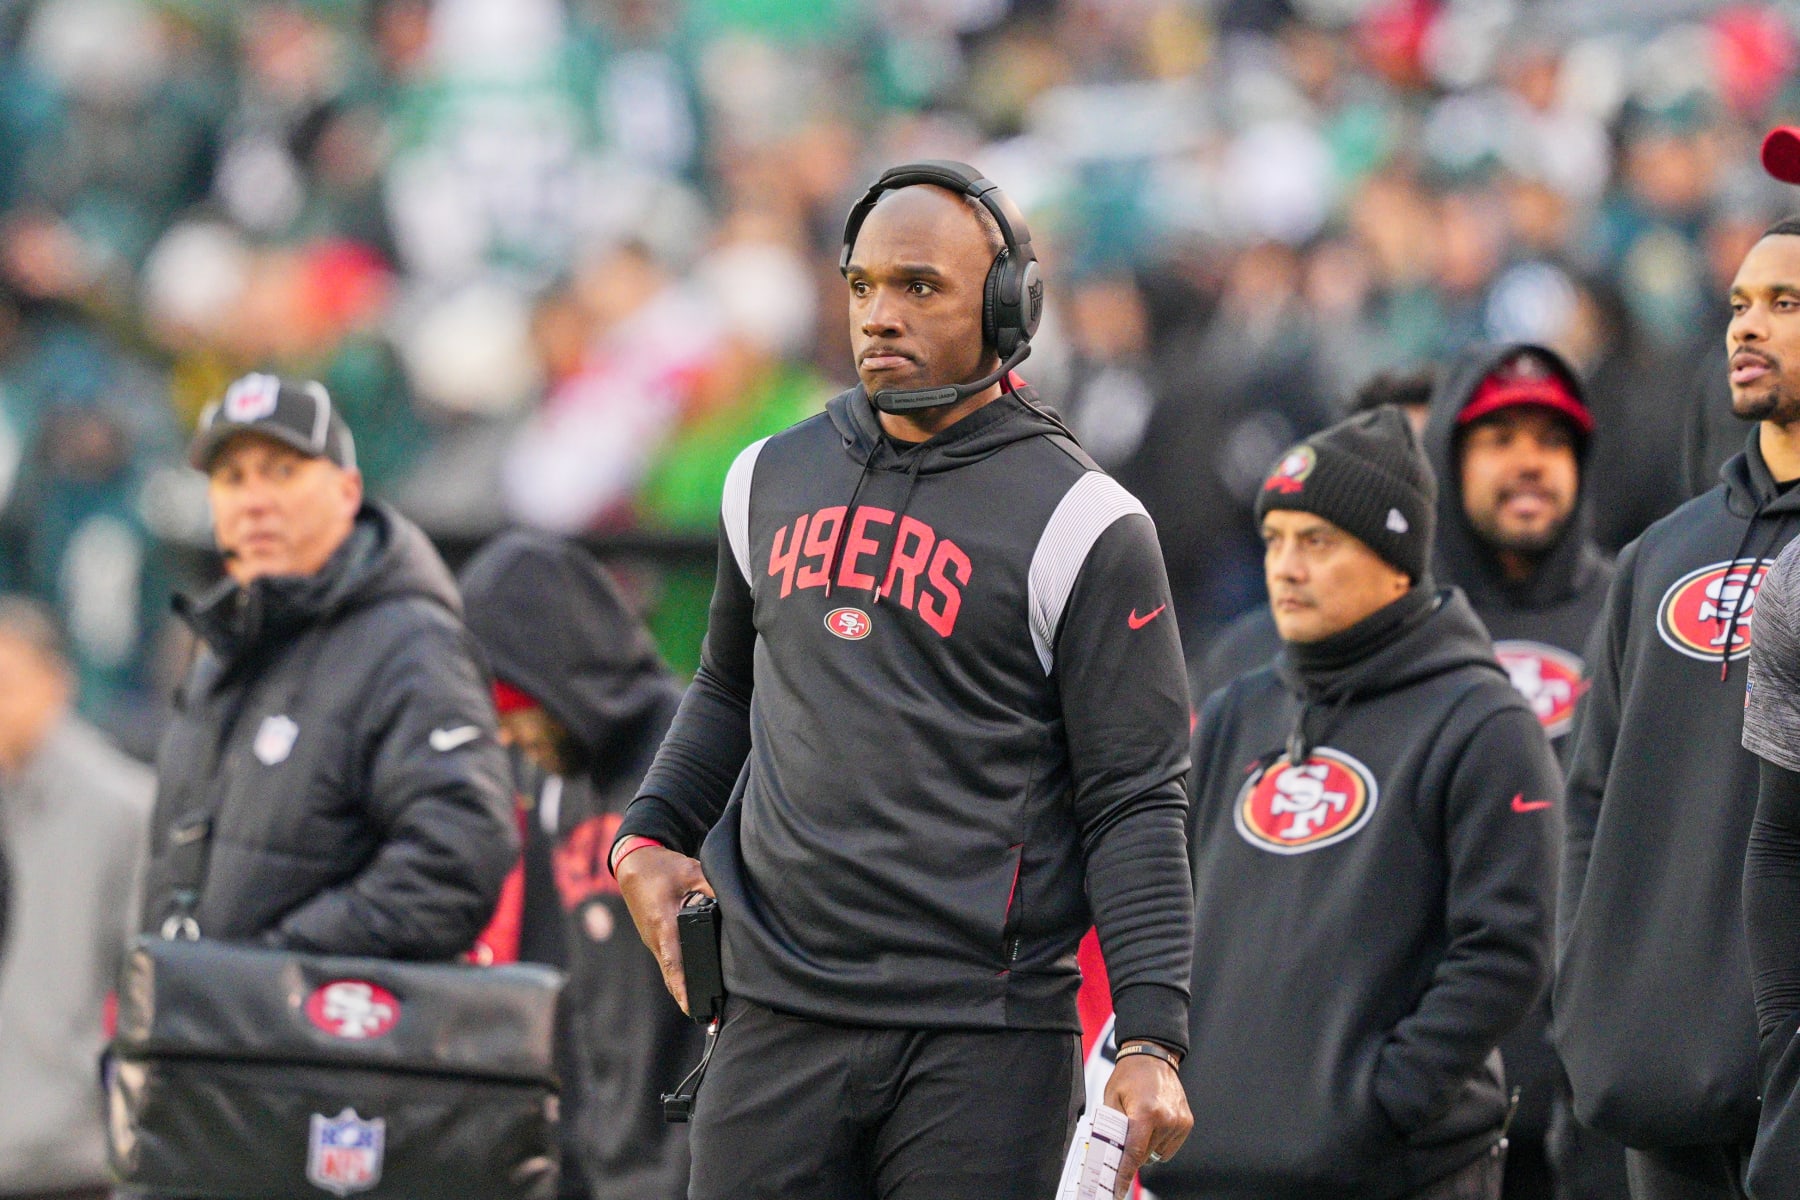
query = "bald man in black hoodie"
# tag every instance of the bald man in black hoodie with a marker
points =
(584, 694)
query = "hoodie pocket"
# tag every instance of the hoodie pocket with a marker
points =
(1009, 921)
(1473, 1106)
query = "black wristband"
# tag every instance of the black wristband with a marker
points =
(1153, 1050)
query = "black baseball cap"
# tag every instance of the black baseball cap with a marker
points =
(297, 413)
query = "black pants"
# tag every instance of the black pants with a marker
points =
(794, 1109)
(1687, 1172)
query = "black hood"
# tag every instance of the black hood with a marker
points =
(1013, 417)
(1750, 490)
(552, 624)
(386, 556)
(1444, 635)
(1463, 558)
(1424, 634)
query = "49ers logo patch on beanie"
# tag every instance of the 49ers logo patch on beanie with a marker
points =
(1290, 473)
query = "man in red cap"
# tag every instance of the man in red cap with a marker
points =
(1508, 434)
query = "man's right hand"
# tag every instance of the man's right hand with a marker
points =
(654, 881)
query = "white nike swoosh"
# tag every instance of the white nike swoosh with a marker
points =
(444, 740)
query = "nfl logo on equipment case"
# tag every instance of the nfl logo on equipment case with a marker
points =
(344, 1152)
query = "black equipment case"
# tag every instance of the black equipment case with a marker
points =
(241, 1072)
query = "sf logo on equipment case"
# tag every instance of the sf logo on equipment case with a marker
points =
(1696, 613)
(1548, 678)
(1291, 810)
(353, 1009)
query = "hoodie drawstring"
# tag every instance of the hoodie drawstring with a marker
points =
(887, 564)
(1300, 745)
(1737, 604)
(841, 535)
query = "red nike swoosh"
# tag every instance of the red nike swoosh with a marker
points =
(1521, 804)
(1137, 622)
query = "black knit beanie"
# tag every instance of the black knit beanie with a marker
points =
(1368, 476)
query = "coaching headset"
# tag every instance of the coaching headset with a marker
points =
(1012, 299)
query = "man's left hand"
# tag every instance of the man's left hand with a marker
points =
(1148, 1091)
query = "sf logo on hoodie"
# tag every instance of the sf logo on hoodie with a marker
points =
(1706, 608)
(1291, 810)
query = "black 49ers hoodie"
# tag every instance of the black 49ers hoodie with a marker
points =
(1540, 625)
(1653, 1012)
(552, 625)
(939, 728)
(1368, 925)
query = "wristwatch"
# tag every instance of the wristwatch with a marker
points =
(1153, 1049)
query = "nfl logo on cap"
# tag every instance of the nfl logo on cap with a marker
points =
(343, 1155)
(251, 398)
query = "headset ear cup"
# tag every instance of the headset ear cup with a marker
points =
(993, 322)
(1031, 300)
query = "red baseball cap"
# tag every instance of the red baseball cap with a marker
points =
(509, 699)
(1527, 378)
(1781, 153)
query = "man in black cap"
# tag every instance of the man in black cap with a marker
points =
(1251, 640)
(331, 780)
(1371, 846)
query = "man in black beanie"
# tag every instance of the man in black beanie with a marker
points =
(1371, 844)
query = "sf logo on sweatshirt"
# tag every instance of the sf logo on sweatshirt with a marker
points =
(1705, 608)
(1548, 678)
(1290, 810)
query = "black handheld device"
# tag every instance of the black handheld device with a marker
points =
(697, 928)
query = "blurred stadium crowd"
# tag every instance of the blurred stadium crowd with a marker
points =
(557, 260)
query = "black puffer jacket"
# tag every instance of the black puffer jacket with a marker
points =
(553, 626)
(340, 730)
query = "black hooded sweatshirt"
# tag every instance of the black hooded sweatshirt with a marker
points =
(1541, 625)
(1540, 628)
(338, 729)
(1367, 927)
(553, 626)
(923, 764)
(1654, 1017)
